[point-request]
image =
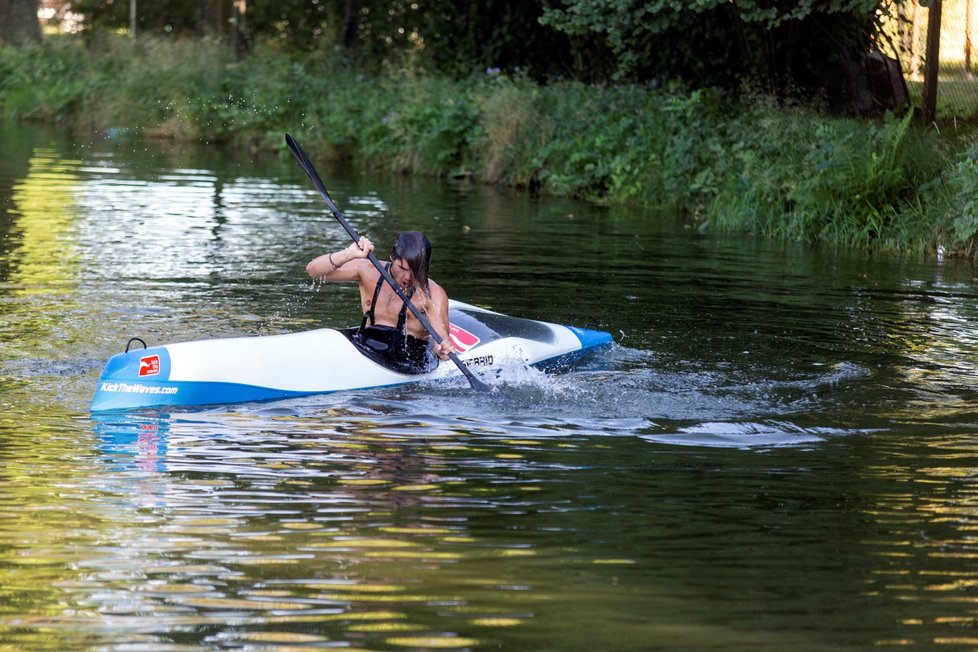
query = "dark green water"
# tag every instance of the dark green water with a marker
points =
(779, 452)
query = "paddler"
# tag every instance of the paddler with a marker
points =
(387, 322)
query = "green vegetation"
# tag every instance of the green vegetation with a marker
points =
(779, 44)
(749, 163)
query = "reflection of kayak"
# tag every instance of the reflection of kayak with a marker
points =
(324, 360)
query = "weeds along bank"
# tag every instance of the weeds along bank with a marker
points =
(741, 165)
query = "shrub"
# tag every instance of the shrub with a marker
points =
(808, 178)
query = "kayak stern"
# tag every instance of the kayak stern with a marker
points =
(138, 379)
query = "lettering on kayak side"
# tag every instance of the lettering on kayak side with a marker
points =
(480, 361)
(135, 388)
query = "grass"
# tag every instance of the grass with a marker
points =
(957, 98)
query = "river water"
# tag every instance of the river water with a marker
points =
(779, 450)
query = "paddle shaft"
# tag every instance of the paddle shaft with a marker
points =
(310, 171)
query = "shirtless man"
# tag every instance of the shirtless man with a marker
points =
(381, 305)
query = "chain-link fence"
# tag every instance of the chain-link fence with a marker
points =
(957, 77)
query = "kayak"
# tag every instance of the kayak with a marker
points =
(245, 369)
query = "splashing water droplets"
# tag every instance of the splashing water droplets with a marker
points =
(531, 385)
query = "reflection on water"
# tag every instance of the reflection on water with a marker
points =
(777, 451)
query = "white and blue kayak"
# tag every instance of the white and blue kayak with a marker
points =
(245, 369)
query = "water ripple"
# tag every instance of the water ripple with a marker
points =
(778, 431)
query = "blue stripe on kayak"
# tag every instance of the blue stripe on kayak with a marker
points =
(589, 338)
(130, 394)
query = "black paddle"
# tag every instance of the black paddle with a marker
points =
(306, 165)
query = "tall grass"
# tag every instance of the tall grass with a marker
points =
(841, 181)
(747, 165)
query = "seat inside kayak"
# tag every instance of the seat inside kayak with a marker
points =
(387, 347)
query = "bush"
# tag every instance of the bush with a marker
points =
(956, 221)
(807, 178)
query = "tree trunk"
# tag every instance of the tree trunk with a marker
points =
(239, 29)
(967, 40)
(18, 22)
(211, 17)
(351, 26)
(933, 62)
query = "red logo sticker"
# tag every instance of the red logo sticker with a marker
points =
(149, 366)
(461, 338)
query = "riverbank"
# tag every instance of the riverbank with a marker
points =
(748, 165)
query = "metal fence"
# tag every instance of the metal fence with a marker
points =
(957, 72)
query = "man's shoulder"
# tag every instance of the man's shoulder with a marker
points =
(437, 291)
(365, 269)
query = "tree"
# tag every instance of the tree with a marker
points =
(782, 43)
(18, 22)
(456, 37)
(171, 17)
(462, 36)
(239, 28)
(212, 17)
(351, 25)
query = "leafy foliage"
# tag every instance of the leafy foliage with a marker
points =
(455, 37)
(838, 181)
(705, 43)
(159, 17)
(782, 43)
(958, 218)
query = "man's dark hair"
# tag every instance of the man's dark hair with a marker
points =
(415, 248)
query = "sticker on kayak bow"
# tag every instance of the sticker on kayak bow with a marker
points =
(461, 338)
(149, 365)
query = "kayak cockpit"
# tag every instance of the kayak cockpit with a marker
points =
(392, 349)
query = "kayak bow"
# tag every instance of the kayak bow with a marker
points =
(244, 369)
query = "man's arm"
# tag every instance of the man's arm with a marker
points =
(439, 303)
(333, 266)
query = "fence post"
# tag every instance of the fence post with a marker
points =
(932, 65)
(967, 39)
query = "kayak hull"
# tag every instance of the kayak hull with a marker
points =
(245, 369)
